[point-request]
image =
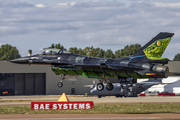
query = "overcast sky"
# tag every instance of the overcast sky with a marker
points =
(108, 24)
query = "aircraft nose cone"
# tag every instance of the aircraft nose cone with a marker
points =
(20, 60)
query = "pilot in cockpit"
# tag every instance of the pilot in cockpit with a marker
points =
(52, 52)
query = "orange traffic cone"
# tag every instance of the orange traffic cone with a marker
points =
(63, 98)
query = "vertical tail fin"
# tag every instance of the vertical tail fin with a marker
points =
(155, 47)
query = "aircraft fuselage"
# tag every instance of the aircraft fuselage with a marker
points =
(97, 67)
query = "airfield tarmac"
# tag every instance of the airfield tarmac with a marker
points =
(160, 116)
(17, 100)
(26, 100)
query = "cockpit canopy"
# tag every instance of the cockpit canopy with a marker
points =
(53, 52)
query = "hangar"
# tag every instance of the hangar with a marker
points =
(18, 79)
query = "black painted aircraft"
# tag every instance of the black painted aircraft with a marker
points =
(145, 63)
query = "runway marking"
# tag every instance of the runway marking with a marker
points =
(110, 118)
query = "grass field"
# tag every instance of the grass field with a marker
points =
(100, 108)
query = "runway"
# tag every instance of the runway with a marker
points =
(16, 100)
(167, 116)
(26, 100)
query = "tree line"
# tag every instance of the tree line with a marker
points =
(99, 52)
(8, 52)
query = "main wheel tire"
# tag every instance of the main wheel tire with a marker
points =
(109, 86)
(60, 84)
(100, 86)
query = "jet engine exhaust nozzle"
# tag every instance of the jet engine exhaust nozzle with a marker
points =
(160, 68)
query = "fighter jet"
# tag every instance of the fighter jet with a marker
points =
(126, 90)
(145, 63)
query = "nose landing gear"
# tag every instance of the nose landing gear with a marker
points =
(60, 83)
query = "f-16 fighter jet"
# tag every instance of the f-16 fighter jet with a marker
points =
(145, 63)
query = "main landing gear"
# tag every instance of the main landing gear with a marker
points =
(100, 86)
(109, 86)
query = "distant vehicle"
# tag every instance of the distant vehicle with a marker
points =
(145, 63)
(124, 90)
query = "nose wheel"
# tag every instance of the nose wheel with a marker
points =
(60, 84)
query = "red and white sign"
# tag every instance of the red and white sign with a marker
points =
(74, 105)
